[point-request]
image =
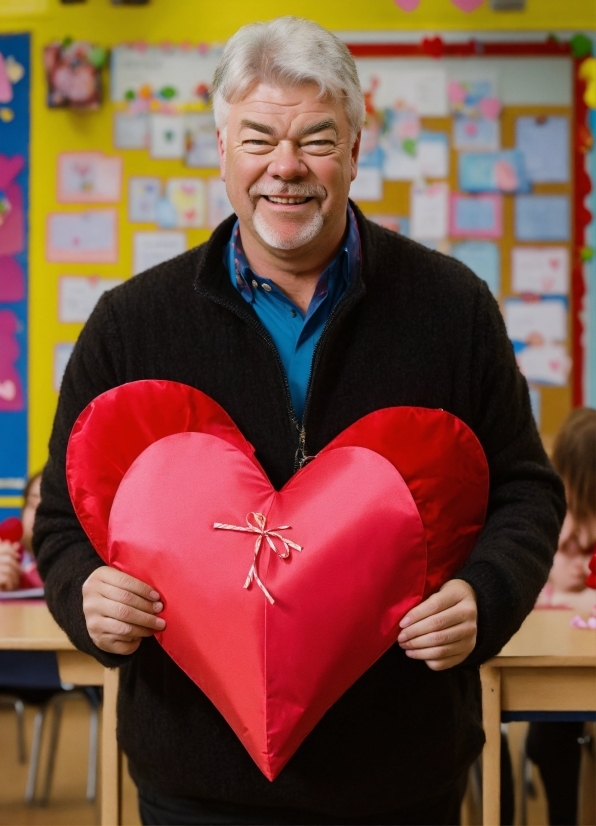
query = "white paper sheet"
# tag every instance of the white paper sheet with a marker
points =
(166, 136)
(540, 270)
(429, 211)
(143, 195)
(367, 185)
(422, 89)
(78, 295)
(536, 322)
(219, 206)
(89, 177)
(83, 236)
(131, 131)
(153, 248)
(546, 364)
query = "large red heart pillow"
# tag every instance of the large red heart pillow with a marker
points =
(275, 601)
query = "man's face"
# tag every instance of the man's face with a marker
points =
(288, 161)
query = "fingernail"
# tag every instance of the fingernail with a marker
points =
(154, 595)
(157, 607)
(402, 637)
(405, 622)
(160, 623)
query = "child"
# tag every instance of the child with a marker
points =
(17, 565)
(554, 747)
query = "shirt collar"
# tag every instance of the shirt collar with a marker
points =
(346, 262)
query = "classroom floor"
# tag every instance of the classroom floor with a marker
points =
(67, 805)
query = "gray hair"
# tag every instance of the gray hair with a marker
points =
(287, 52)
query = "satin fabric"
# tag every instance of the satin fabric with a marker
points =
(385, 514)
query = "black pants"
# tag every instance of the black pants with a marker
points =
(157, 810)
(554, 748)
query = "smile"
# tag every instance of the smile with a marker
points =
(285, 201)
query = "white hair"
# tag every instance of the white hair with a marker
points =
(287, 52)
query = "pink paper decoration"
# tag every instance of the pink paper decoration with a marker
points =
(467, 5)
(12, 280)
(11, 391)
(408, 5)
(5, 84)
(490, 108)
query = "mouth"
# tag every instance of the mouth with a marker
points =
(285, 200)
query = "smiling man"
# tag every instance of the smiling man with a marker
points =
(299, 317)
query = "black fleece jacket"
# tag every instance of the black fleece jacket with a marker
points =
(416, 328)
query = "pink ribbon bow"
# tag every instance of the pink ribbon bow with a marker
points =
(269, 534)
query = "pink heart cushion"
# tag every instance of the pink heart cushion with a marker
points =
(330, 564)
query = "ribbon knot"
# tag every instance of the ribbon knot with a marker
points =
(258, 526)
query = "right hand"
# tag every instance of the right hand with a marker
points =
(120, 610)
(10, 569)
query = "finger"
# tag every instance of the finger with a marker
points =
(436, 603)
(449, 662)
(460, 648)
(117, 646)
(437, 639)
(120, 612)
(105, 628)
(112, 576)
(129, 598)
(462, 612)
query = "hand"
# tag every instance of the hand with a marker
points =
(10, 569)
(442, 629)
(120, 610)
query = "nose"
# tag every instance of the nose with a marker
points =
(287, 162)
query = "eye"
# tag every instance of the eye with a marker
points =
(318, 146)
(256, 145)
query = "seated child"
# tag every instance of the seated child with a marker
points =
(554, 747)
(17, 565)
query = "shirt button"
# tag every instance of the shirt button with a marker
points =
(267, 288)
(293, 313)
(254, 283)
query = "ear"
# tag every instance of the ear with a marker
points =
(221, 148)
(355, 151)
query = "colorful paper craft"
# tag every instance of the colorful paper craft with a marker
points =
(429, 159)
(12, 397)
(12, 280)
(476, 134)
(476, 216)
(143, 197)
(493, 172)
(542, 218)
(88, 177)
(536, 322)
(540, 270)
(73, 74)
(483, 258)
(82, 236)
(78, 295)
(189, 201)
(166, 136)
(544, 143)
(547, 364)
(12, 217)
(201, 141)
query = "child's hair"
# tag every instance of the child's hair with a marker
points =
(29, 484)
(574, 458)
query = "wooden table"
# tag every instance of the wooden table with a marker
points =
(29, 626)
(546, 666)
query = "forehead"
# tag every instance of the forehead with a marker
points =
(299, 103)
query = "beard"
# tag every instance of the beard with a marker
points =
(303, 232)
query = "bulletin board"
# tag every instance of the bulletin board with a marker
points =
(517, 183)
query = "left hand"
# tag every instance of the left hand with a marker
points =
(442, 629)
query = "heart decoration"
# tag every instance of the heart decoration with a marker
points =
(169, 490)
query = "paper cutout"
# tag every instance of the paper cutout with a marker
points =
(143, 196)
(82, 236)
(78, 295)
(494, 172)
(219, 206)
(476, 216)
(166, 138)
(153, 248)
(73, 74)
(62, 354)
(467, 6)
(483, 258)
(88, 177)
(542, 218)
(476, 107)
(479, 134)
(189, 201)
(429, 211)
(12, 280)
(5, 84)
(12, 225)
(536, 322)
(367, 185)
(546, 364)
(131, 131)
(408, 5)
(544, 143)
(540, 270)
(201, 141)
(12, 397)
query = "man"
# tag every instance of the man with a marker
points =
(299, 317)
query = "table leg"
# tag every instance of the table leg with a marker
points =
(491, 756)
(111, 759)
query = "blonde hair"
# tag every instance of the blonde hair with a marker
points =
(574, 458)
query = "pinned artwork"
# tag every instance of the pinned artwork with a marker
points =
(429, 211)
(477, 110)
(493, 172)
(367, 185)
(143, 198)
(73, 74)
(540, 270)
(12, 397)
(78, 295)
(188, 199)
(429, 159)
(536, 322)
(423, 91)
(82, 236)
(89, 177)
(484, 259)
(131, 131)
(12, 215)
(218, 204)
(166, 136)
(547, 364)
(476, 216)
(542, 218)
(201, 141)
(544, 143)
(11, 71)
(153, 248)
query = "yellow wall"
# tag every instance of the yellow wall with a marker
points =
(178, 20)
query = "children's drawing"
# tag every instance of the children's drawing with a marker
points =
(73, 74)
(11, 390)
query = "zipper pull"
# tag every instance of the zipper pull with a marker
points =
(301, 458)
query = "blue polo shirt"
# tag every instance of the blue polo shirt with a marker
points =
(295, 333)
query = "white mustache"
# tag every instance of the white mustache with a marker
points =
(289, 189)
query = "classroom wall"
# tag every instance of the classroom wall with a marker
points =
(179, 20)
